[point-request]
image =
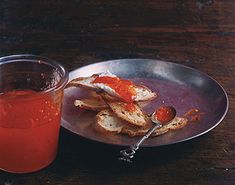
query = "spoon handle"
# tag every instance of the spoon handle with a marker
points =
(128, 154)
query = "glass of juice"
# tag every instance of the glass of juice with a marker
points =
(31, 92)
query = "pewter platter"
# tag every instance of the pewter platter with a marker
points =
(177, 85)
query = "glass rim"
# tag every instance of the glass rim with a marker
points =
(47, 61)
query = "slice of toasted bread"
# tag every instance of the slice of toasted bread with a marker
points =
(143, 93)
(108, 122)
(130, 113)
(94, 104)
(85, 82)
(133, 131)
(175, 124)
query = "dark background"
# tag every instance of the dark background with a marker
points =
(199, 34)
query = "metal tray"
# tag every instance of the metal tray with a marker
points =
(181, 86)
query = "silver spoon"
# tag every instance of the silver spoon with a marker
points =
(160, 117)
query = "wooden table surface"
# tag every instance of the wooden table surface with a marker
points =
(199, 34)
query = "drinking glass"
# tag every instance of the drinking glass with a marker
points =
(31, 93)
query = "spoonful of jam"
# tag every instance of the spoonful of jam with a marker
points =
(162, 116)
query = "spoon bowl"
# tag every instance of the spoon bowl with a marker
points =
(163, 115)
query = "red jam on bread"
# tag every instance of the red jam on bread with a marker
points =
(124, 88)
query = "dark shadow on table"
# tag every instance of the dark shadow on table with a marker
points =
(77, 152)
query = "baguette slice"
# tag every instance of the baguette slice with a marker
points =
(142, 92)
(129, 112)
(108, 122)
(94, 104)
(85, 82)
(175, 124)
